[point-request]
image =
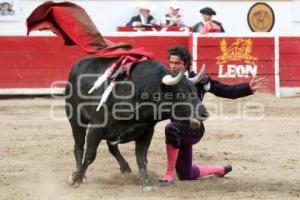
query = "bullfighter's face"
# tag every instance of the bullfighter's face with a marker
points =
(176, 63)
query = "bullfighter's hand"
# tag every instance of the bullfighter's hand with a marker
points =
(258, 84)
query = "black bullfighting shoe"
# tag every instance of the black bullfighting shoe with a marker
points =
(227, 169)
(165, 183)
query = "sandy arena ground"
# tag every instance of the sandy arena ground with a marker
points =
(263, 145)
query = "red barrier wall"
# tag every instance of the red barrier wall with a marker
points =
(237, 59)
(289, 61)
(35, 62)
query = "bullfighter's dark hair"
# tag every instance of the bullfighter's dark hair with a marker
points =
(183, 53)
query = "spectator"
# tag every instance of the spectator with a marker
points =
(144, 18)
(173, 18)
(208, 25)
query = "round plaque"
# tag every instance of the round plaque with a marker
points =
(261, 17)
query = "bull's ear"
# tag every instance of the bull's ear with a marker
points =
(170, 80)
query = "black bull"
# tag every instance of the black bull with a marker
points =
(136, 111)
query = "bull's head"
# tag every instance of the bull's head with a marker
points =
(189, 106)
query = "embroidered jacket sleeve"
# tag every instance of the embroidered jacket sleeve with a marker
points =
(222, 90)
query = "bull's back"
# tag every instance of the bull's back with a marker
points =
(89, 65)
(85, 72)
(88, 70)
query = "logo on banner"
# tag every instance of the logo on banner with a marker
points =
(239, 51)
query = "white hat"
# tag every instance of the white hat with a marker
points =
(175, 5)
(145, 5)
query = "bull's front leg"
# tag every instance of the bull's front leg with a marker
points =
(141, 150)
(114, 150)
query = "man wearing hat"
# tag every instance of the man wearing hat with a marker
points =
(144, 18)
(208, 25)
(173, 18)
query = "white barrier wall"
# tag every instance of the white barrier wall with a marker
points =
(107, 15)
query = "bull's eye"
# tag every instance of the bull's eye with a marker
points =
(193, 96)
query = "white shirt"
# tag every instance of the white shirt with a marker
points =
(144, 19)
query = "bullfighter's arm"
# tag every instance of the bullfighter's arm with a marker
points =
(222, 90)
(235, 91)
(230, 91)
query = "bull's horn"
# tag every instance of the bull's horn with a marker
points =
(194, 123)
(199, 76)
(169, 80)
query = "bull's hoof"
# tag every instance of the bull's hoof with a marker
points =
(149, 188)
(125, 169)
(75, 180)
(75, 185)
